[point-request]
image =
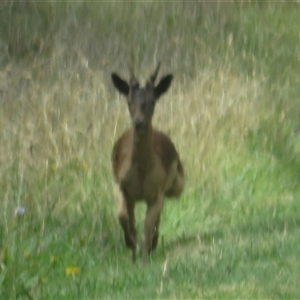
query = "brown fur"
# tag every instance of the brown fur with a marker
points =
(145, 164)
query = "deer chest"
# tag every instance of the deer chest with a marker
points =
(144, 182)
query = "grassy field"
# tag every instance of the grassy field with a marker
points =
(233, 113)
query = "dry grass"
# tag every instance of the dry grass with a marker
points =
(76, 118)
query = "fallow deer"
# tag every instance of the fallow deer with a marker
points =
(146, 165)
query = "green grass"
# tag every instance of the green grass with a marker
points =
(232, 111)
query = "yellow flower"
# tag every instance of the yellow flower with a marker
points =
(42, 280)
(84, 165)
(27, 254)
(72, 271)
(54, 259)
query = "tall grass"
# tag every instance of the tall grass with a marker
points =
(231, 112)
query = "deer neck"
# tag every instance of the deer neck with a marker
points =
(142, 146)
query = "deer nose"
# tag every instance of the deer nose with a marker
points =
(138, 123)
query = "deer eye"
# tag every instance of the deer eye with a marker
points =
(130, 101)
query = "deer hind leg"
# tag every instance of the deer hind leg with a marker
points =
(155, 235)
(150, 235)
(127, 221)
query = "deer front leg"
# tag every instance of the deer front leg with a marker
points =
(150, 235)
(127, 221)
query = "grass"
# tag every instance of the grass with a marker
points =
(232, 112)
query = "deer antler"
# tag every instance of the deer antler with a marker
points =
(154, 75)
(133, 80)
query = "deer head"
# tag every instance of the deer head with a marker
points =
(141, 100)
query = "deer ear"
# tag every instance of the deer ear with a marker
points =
(163, 86)
(120, 84)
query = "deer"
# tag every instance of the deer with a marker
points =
(146, 166)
